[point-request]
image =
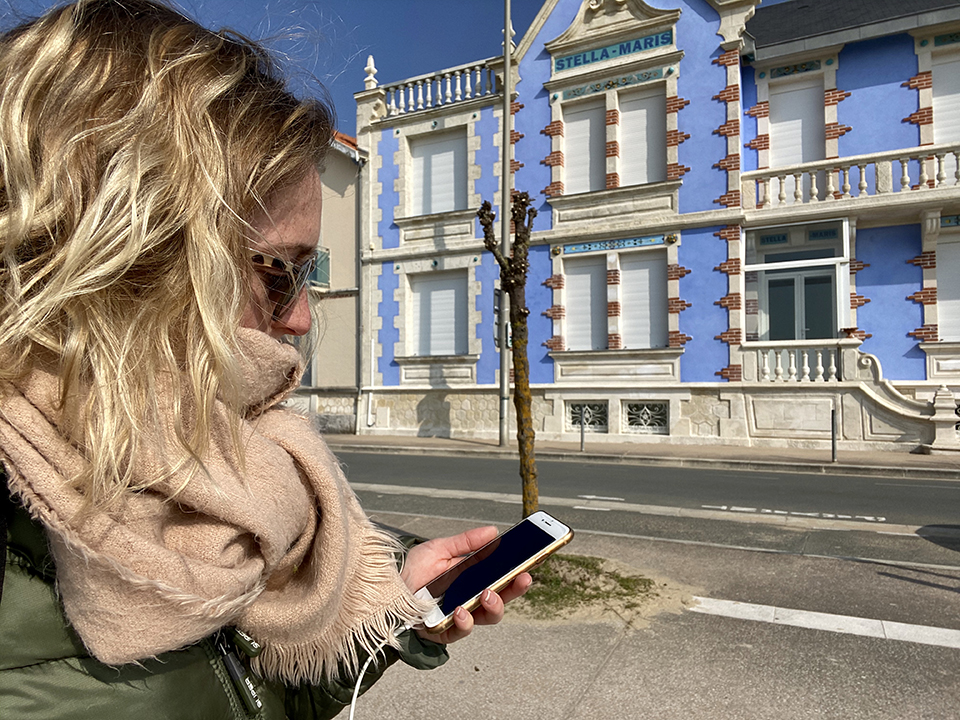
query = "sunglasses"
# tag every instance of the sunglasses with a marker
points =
(283, 279)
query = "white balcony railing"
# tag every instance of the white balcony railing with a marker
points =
(798, 361)
(919, 169)
(445, 87)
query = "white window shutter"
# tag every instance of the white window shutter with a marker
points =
(439, 313)
(946, 99)
(585, 302)
(797, 132)
(643, 137)
(948, 291)
(585, 148)
(643, 290)
(439, 173)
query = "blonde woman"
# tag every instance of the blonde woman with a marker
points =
(178, 545)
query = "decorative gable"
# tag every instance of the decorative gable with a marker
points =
(610, 29)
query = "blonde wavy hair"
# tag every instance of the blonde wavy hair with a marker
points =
(135, 146)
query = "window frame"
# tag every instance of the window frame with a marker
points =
(839, 264)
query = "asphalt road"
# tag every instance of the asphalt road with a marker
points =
(911, 502)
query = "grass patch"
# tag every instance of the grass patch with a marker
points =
(565, 583)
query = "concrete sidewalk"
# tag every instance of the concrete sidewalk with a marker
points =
(674, 664)
(944, 466)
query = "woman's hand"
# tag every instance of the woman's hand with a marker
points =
(434, 557)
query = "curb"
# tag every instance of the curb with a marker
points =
(797, 467)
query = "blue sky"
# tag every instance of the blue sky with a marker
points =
(329, 40)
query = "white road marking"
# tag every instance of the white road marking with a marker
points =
(847, 624)
(596, 509)
(944, 486)
(768, 511)
(798, 523)
(600, 497)
(900, 564)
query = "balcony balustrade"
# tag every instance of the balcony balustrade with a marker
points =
(853, 178)
(445, 87)
(799, 361)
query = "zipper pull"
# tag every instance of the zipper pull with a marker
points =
(251, 648)
(241, 678)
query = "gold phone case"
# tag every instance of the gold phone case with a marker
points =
(474, 602)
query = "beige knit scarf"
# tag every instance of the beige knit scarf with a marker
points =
(281, 550)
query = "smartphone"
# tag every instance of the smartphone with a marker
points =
(494, 566)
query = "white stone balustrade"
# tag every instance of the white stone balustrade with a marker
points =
(852, 178)
(798, 361)
(453, 85)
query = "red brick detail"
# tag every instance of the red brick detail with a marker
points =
(676, 104)
(555, 343)
(856, 266)
(675, 272)
(927, 296)
(675, 306)
(613, 149)
(730, 267)
(731, 301)
(761, 109)
(731, 336)
(515, 107)
(554, 189)
(677, 339)
(927, 259)
(613, 181)
(675, 171)
(730, 128)
(730, 232)
(614, 341)
(729, 58)
(613, 117)
(554, 159)
(515, 165)
(923, 116)
(856, 333)
(832, 97)
(613, 277)
(513, 231)
(555, 312)
(760, 142)
(554, 129)
(675, 137)
(514, 136)
(731, 93)
(730, 162)
(919, 82)
(751, 307)
(857, 301)
(751, 277)
(836, 130)
(554, 282)
(753, 337)
(730, 199)
(927, 333)
(613, 309)
(731, 373)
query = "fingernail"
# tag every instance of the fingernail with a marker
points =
(461, 614)
(486, 595)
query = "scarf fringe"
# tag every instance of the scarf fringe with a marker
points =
(340, 650)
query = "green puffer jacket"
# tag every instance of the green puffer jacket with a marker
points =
(46, 674)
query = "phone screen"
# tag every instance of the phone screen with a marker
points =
(487, 565)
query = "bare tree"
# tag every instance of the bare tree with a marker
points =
(513, 281)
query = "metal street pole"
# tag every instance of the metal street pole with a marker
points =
(505, 200)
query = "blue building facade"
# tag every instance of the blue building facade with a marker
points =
(747, 219)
